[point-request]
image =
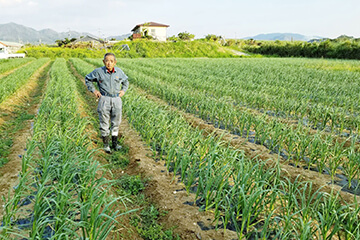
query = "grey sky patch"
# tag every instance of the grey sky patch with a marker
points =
(230, 18)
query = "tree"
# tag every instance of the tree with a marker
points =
(212, 37)
(186, 36)
(65, 42)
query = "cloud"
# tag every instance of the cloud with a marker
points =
(117, 3)
(31, 3)
(9, 3)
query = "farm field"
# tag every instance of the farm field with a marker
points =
(249, 148)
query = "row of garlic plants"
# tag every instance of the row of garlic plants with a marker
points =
(12, 82)
(299, 144)
(61, 193)
(10, 64)
(243, 193)
(322, 99)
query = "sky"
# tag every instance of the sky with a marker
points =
(228, 18)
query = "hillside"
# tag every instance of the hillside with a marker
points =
(13, 32)
(138, 49)
(283, 36)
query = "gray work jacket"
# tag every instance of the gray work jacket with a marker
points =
(108, 83)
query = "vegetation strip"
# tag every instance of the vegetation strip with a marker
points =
(10, 64)
(12, 82)
(18, 110)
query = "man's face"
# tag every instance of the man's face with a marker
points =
(109, 62)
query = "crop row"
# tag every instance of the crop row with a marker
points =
(282, 87)
(9, 64)
(59, 188)
(14, 81)
(319, 151)
(243, 194)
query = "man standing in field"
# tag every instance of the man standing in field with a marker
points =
(112, 83)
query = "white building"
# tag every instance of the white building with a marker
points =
(8, 49)
(3, 48)
(156, 30)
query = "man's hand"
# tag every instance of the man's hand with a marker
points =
(97, 93)
(121, 93)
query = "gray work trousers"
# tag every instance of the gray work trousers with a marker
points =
(109, 109)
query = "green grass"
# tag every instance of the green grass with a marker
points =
(138, 49)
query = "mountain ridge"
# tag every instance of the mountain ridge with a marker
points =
(13, 32)
(283, 37)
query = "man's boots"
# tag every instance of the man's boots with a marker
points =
(115, 143)
(106, 144)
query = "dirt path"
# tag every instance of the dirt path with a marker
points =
(238, 53)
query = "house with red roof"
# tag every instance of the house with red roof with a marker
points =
(154, 30)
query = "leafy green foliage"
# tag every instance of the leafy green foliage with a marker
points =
(342, 48)
(147, 226)
(139, 48)
(131, 184)
(212, 37)
(65, 42)
(186, 36)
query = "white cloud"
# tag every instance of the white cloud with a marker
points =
(9, 3)
(32, 3)
(117, 3)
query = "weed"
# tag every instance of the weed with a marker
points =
(148, 227)
(131, 184)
